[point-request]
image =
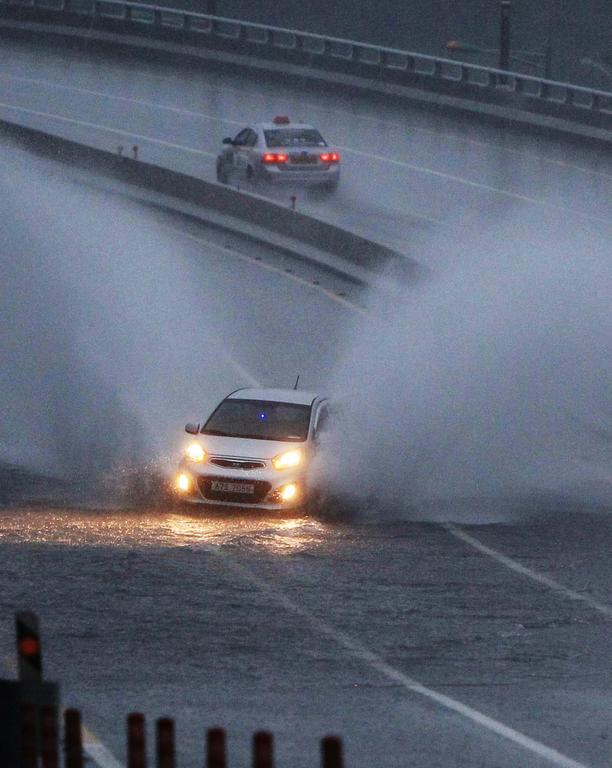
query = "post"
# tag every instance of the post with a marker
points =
(73, 744)
(136, 743)
(504, 35)
(263, 755)
(215, 748)
(29, 736)
(48, 737)
(548, 52)
(165, 743)
(331, 752)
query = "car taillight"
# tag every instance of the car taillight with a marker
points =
(330, 157)
(271, 158)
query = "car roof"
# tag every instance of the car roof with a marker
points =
(297, 396)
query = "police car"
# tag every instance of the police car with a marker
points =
(254, 450)
(280, 151)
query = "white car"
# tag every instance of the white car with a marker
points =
(277, 152)
(254, 450)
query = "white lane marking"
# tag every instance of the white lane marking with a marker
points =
(205, 116)
(360, 652)
(126, 99)
(241, 370)
(110, 129)
(469, 183)
(269, 268)
(96, 751)
(403, 127)
(515, 566)
(499, 148)
(142, 137)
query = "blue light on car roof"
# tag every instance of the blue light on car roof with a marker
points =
(262, 415)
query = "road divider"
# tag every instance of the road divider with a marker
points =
(352, 252)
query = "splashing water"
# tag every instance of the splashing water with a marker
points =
(108, 336)
(491, 379)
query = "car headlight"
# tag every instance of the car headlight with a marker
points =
(183, 483)
(286, 494)
(195, 452)
(288, 459)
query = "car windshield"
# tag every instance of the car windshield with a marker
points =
(259, 420)
(294, 137)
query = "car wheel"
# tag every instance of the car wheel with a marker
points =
(330, 186)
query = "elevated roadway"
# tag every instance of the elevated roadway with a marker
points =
(427, 170)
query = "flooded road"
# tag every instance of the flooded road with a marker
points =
(307, 627)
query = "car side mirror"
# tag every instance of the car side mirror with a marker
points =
(227, 140)
(192, 429)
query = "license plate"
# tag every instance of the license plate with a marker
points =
(246, 488)
(304, 159)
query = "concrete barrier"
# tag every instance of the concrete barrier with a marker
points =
(250, 208)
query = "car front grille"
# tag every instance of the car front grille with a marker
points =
(237, 463)
(261, 489)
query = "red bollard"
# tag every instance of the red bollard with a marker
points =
(215, 748)
(331, 752)
(136, 742)
(48, 737)
(73, 744)
(263, 751)
(165, 743)
(29, 745)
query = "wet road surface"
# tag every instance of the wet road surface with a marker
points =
(406, 172)
(254, 622)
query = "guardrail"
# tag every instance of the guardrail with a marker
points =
(355, 256)
(443, 76)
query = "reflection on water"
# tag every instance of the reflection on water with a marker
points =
(75, 527)
(280, 536)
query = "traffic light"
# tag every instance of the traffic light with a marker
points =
(29, 656)
(28, 705)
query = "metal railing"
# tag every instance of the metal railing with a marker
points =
(319, 52)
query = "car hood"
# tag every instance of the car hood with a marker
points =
(243, 447)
